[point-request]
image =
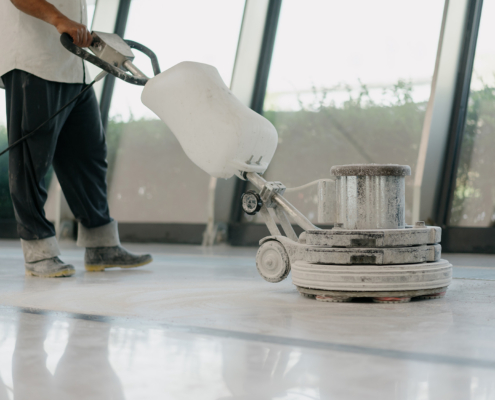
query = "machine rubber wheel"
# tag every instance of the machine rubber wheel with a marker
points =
(273, 261)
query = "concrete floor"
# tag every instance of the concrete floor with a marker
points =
(201, 324)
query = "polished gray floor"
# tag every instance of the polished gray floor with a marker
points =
(201, 324)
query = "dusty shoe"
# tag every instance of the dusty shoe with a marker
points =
(49, 268)
(100, 258)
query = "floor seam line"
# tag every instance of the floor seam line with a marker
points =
(277, 340)
(475, 279)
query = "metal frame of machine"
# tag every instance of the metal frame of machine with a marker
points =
(386, 262)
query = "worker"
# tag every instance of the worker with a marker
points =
(40, 77)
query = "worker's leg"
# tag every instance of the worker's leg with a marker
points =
(80, 163)
(81, 167)
(30, 102)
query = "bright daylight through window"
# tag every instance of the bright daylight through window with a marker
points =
(474, 196)
(150, 177)
(349, 83)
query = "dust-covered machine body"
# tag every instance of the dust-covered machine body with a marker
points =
(369, 251)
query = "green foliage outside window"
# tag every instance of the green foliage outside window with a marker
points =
(321, 135)
(474, 196)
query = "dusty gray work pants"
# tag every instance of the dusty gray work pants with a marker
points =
(74, 142)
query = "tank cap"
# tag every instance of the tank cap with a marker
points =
(371, 170)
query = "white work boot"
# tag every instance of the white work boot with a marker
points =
(41, 259)
(103, 249)
(49, 268)
(101, 258)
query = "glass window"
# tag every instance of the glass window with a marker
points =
(6, 209)
(349, 83)
(474, 196)
(151, 178)
(91, 11)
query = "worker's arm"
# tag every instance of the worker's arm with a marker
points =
(49, 13)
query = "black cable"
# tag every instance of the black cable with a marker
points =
(66, 40)
(48, 120)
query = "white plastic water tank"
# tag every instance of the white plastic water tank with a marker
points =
(217, 132)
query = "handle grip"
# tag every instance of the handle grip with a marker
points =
(145, 50)
(67, 42)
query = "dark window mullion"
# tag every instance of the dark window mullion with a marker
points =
(458, 118)
(259, 91)
(109, 84)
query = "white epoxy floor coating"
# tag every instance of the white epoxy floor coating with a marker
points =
(201, 324)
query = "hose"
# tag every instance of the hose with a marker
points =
(298, 188)
(25, 137)
(67, 42)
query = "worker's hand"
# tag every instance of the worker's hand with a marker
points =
(78, 32)
(47, 12)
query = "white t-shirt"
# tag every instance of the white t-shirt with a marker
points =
(32, 45)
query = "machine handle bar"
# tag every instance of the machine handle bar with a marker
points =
(147, 51)
(67, 42)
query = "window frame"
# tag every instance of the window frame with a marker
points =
(461, 239)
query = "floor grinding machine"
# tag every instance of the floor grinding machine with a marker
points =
(369, 253)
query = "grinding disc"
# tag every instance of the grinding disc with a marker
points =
(372, 277)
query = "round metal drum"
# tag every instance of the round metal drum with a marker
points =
(370, 196)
